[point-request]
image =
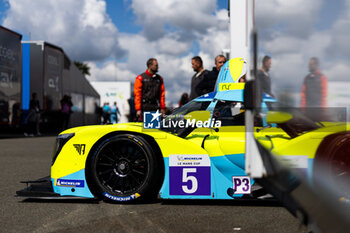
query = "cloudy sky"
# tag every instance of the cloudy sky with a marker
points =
(117, 37)
(294, 31)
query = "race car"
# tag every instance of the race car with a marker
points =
(124, 162)
(197, 152)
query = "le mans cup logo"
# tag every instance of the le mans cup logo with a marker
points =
(151, 120)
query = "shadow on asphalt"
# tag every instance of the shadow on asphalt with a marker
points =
(240, 202)
(73, 201)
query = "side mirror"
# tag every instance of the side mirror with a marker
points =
(274, 117)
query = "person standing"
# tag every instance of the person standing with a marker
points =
(34, 106)
(263, 77)
(106, 111)
(197, 78)
(66, 110)
(183, 100)
(208, 83)
(149, 90)
(114, 113)
(314, 89)
(132, 111)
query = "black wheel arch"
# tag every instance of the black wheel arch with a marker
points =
(328, 144)
(149, 139)
(325, 150)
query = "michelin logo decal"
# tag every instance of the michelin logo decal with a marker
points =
(70, 183)
(128, 198)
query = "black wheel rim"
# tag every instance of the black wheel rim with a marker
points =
(122, 167)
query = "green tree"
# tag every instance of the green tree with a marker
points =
(83, 67)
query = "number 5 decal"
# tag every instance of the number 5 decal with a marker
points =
(186, 178)
(189, 175)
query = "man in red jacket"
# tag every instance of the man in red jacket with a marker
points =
(314, 90)
(149, 90)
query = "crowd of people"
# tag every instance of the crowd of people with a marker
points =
(33, 117)
(110, 114)
(149, 91)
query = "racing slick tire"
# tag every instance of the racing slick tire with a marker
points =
(332, 163)
(124, 168)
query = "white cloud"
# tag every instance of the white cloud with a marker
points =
(110, 71)
(341, 35)
(214, 42)
(292, 17)
(81, 27)
(313, 46)
(338, 72)
(172, 44)
(186, 15)
(289, 33)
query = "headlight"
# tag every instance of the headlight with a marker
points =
(60, 141)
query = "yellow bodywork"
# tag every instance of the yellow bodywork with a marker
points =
(70, 161)
(278, 142)
(229, 140)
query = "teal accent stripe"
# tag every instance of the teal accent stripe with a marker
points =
(74, 191)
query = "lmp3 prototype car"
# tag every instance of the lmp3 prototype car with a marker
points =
(195, 153)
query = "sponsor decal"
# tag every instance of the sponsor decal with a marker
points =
(6, 80)
(135, 139)
(52, 60)
(189, 174)
(189, 160)
(70, 183)
(80, 148)
(115, 198)
(210, 95)
(53, 83)
(231, 86)
(151, 120)
(241, 184)
(7, 53)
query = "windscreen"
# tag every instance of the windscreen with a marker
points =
(179, 115)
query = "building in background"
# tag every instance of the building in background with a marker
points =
(10, 77)
(48, 71)
(43, 68)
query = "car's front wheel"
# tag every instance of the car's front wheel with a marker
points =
(124, 168)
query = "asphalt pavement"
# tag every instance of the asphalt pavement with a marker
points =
(30, 158)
